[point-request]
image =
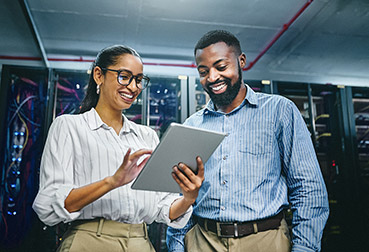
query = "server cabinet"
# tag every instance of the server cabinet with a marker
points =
(263, 86)
(24, 95)
(357, 102)
(70, 89)
(320, 108)
(360, 102)
(164, 97)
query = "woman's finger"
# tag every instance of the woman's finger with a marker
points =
(139, 153)
(142, 164)
(134, 157)
(126, 157)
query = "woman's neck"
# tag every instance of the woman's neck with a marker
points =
(113, 118)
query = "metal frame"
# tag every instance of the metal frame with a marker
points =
(184, 99)
(32, 25)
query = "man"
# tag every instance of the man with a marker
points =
(266, 163)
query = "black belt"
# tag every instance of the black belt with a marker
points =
(239, 229)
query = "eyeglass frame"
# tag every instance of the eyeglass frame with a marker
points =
(144, 77)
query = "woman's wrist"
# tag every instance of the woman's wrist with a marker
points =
(109, 181)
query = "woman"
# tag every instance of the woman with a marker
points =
(87, 166)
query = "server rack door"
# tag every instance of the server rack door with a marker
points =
(24, 100)
(263, 86)
(70, 90)
(164, 102)
(319, 108)
(360, 109)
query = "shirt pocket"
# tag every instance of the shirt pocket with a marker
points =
(256, 138)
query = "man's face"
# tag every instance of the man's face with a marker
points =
(220, 72)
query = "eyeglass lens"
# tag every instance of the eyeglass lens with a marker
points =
(125, 78)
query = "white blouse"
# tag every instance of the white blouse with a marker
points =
(82, 149)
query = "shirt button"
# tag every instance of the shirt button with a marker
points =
(224, 157)
(224, 182)
(222, 208)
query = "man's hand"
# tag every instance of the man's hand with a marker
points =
(188, 181)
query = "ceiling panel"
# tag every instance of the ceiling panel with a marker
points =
(330, 39)
(16, 39)
(82, 7)
(75, 27)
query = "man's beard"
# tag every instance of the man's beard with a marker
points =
(226, 98)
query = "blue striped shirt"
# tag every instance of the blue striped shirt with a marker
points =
(266, 161)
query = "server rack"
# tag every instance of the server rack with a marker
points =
(356, 103)
(24, 93)
(69, 91)
(320, 108)
(165, 106)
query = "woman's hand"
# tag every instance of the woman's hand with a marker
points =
(129, 169)
(82, 196)
(188, 181)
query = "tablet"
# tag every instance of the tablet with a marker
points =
(179, 143)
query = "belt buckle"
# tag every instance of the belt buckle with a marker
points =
(219, 230)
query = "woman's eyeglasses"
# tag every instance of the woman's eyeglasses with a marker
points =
(125, 77)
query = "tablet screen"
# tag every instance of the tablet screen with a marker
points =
(180, 143)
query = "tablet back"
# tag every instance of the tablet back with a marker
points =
(179, 143)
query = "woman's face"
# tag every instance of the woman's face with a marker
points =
(113, 95)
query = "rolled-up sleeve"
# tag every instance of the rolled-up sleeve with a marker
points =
(164, 204)
(56, 176)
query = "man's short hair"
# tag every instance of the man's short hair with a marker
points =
(216, 36)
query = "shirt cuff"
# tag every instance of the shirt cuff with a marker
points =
(59, 207)
(300, 248)
(182, 220)
(165, 205)
(49, 205)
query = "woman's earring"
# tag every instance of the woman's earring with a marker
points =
(97, 89)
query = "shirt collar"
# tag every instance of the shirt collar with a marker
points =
(129, 126)
(251, 98)
(94, 121)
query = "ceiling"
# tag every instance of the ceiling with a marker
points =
(327, 43)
